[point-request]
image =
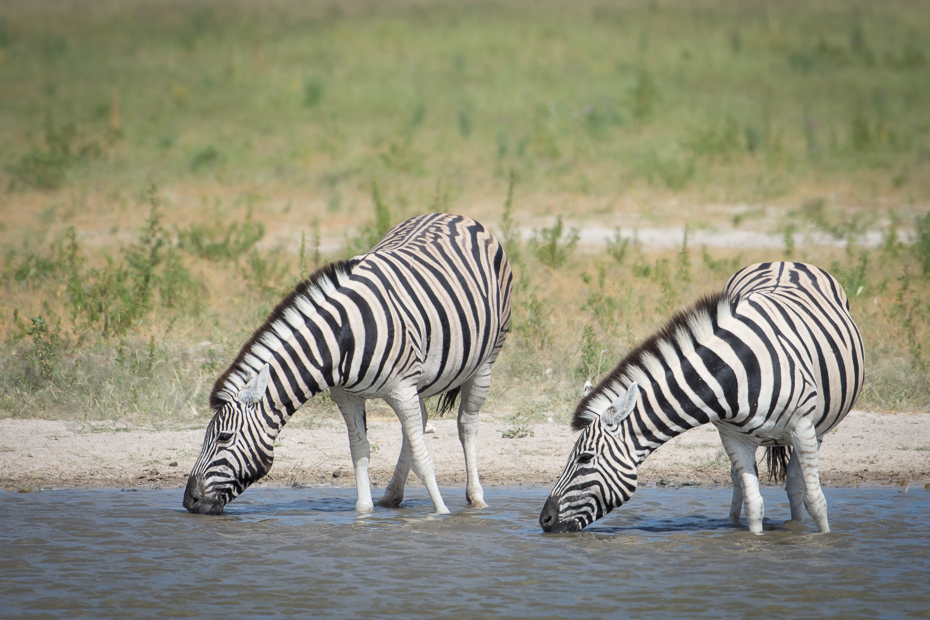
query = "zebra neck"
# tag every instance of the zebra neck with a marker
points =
(647, 429)
(295, 379)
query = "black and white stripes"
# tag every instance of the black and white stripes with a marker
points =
(425, 312)
(773, 360)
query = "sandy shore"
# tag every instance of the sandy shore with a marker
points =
(867, 448)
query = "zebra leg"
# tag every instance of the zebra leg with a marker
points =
(394, 493)
(352, 409)
(742, 455)
(474, 392)
(736, 504)
(794, 485)
(807, 446)
(406, 404)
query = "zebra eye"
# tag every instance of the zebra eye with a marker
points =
(224, 437)
(585, 457)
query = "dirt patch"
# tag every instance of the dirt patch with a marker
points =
(866, 448)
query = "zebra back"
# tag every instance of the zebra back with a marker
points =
(434, 294)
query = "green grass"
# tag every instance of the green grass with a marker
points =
(585, 97)
(283, 134)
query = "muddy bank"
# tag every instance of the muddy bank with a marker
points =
(869, 448)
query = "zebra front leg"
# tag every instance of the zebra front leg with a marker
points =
(394, 493)
(474, 392)
(794, 485)
(742, 455)
(405, 404)
(352, 409)
(807, 448)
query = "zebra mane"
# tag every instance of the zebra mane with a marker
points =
(301, 302)
(680, 336)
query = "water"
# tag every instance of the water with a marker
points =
(281, 552)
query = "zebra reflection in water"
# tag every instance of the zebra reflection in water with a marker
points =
(773, 360)
(424, 313)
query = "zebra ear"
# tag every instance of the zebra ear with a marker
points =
(587, 389)
(255, 388)
(621, 407)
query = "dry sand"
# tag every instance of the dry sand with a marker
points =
(867, 448)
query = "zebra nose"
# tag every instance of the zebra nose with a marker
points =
(194, 495)
(549, 515)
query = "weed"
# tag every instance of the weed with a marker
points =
(223, 239)
(713, 142)
(854, 279)
(683, 259)
(907, 307)
(592, 356)
(45, 348)
(617, 246)
(921, 246)
(860, 134)
(369, 235)
(46, 166)
(204, 157)
(719, 461)
(520, 430)
(465, 123)
(313, 92)
(644, 95)
(510, 234)
(265, 274)
(754, 137)
(668, 298)
(789, 241)
(532, 327)
(549, 247)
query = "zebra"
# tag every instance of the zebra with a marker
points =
(773, 360)
(424, 313)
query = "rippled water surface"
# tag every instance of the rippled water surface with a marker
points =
(305, 552)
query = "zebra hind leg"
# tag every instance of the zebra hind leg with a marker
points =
(353, 411)
(736, 504)
(406, 404)
(794, 485)
(394, 492)
(474, 393)
(807, 446)
(742, 455)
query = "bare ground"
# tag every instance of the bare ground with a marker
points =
(867, 448)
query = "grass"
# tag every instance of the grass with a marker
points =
(283, 137)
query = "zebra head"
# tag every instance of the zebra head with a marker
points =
(600, 474)
(237, 450)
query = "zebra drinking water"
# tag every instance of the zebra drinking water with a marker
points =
(425, 312)
(772, 360)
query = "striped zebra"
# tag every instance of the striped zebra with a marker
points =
(772, 360)
(424, 313)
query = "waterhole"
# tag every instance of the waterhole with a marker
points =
(282, 552)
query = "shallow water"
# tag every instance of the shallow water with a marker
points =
(281, 552)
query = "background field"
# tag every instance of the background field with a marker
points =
(169, 170)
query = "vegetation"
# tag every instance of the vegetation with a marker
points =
(169, 170)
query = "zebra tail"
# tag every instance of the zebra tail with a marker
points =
(777, 460)
(447, 401)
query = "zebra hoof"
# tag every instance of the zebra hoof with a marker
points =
(390, 501)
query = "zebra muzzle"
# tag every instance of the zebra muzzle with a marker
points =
(550, 522)
(198, 500)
